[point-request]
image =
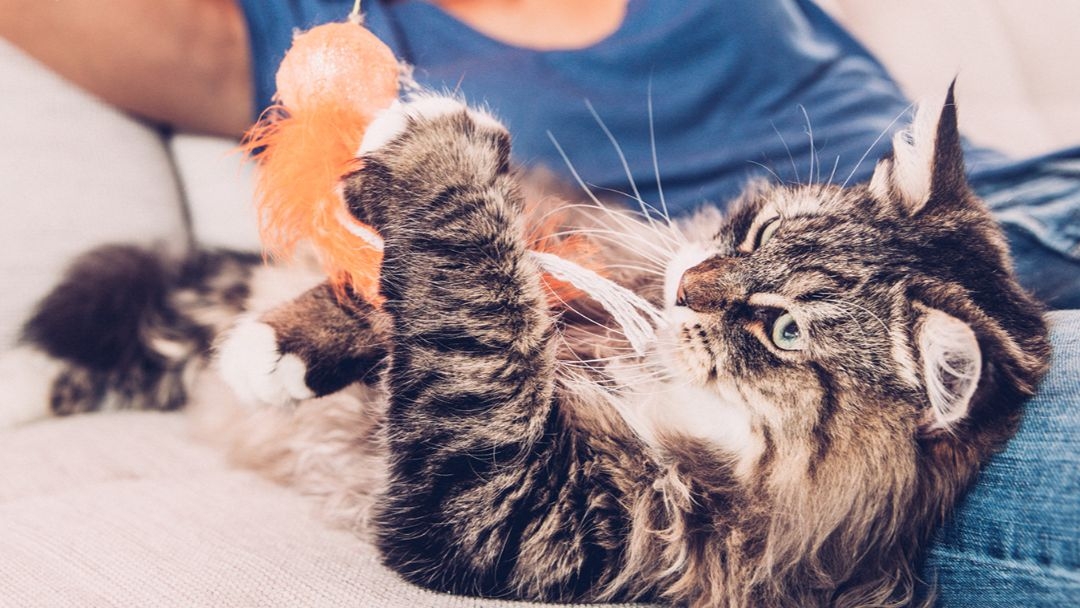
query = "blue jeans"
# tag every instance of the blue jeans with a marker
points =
(1037, 202)
(1015, 540)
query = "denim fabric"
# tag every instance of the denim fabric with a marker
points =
(1038, 204)
(1015, 541)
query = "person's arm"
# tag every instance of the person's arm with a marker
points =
(185, 63)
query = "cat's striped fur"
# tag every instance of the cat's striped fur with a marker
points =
(524, 451)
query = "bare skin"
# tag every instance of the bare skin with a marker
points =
(540, 24)
(187, 64)
(182, 63)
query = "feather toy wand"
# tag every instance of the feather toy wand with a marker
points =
(332, 82)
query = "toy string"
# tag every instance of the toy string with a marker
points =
(355, 14)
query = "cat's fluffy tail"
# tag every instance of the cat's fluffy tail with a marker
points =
(126, 326)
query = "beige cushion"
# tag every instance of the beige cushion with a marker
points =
(128, 510)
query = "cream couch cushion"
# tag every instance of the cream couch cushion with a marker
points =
(74, 173)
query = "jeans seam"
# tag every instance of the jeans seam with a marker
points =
(1044, 570)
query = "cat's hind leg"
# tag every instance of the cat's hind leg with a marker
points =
(123, 329)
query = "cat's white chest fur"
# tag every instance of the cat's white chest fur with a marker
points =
(657, 408)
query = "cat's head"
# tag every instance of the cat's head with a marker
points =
(875, 338)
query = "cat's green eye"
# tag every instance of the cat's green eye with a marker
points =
(786, 334)
(768, 229)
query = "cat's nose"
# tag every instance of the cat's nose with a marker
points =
(707, 286)
(680, 294)
(688, 293)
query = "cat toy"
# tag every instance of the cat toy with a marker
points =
(330, 85)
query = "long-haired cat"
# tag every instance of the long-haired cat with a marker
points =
(834, 367)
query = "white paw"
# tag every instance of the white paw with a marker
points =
(386, 126)
(392, 122)
(26, 379)
(250, 363)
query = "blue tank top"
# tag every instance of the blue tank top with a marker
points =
(738, 88)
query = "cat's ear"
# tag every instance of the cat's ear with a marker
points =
(951, 367)
(927, 159)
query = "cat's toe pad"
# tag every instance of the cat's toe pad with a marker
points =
(252, 365)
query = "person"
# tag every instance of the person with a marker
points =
(699, 97)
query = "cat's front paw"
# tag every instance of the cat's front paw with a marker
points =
(428, 145)
(252, 364)
(416, 151)
(420, 114)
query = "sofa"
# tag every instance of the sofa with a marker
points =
(133, 508)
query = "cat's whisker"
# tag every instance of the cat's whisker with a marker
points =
(592, 196)
(787, 149)
(649, 370)
(656, 383)
(633, 227)
(870, 149)
(663, 232)
(621, 213)
(570, 307)
(832, 174)
(612, 380)
(665, 382)
(630, 354)
(620, 239)
(642, 237)
(649, 210)
(656, 164)
(771, 172)
(814, 160)
(657, 228)
(662, 243)
(598, 366)
(622, 159)
(573, 170)
(636, 268)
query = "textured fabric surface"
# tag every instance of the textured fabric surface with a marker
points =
(128, 510)
(219, 190)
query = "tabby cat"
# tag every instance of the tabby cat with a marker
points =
(834, 366)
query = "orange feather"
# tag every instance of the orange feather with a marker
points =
(332, 82)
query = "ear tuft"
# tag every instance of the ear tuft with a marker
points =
(952, 366)
(908, 173)
(927, 158)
